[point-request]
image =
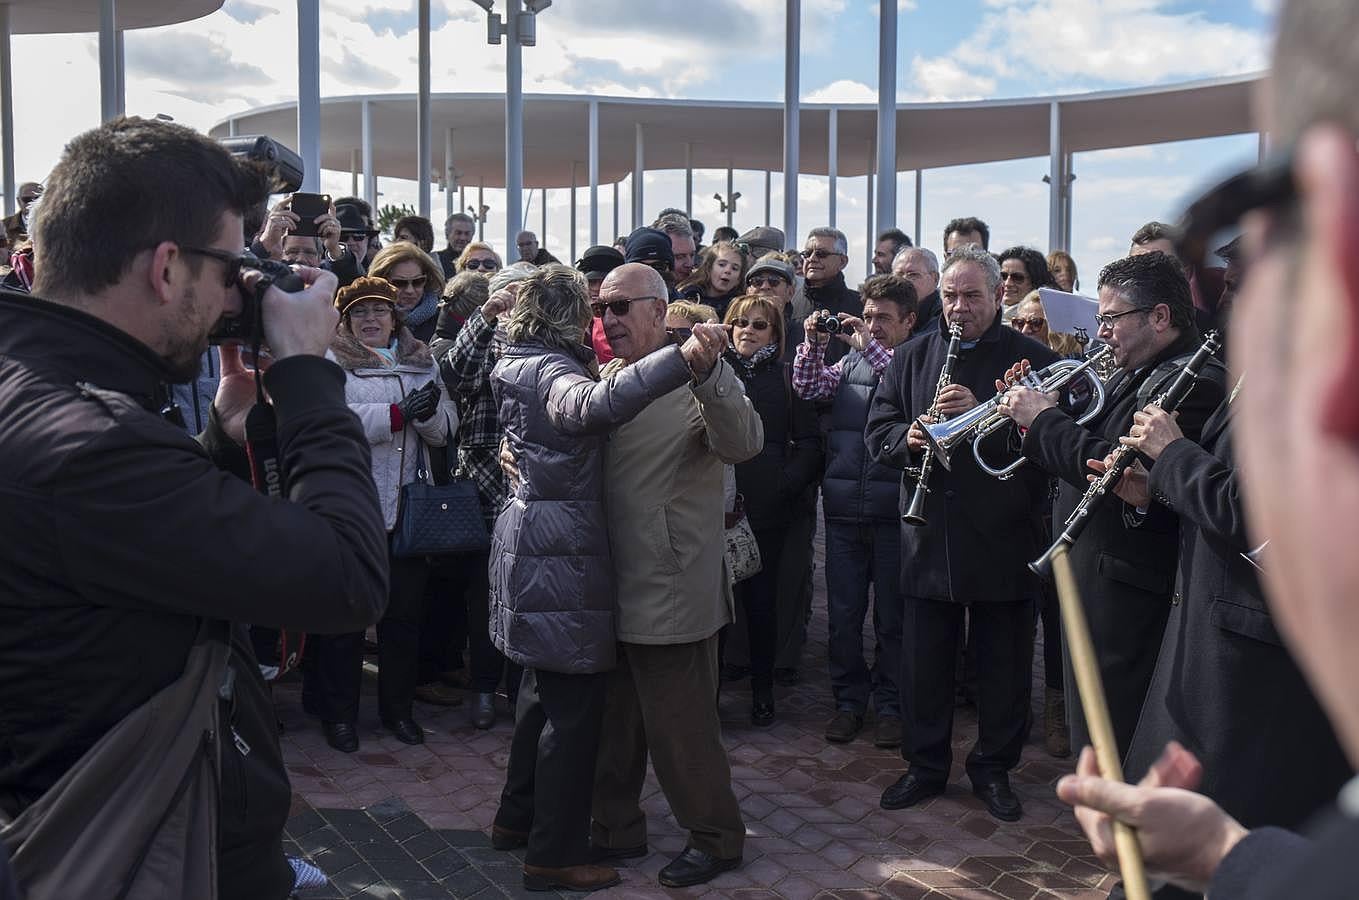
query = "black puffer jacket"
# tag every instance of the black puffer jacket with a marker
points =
(782, 478)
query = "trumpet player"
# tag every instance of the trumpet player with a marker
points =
(1125, 560)
(972, 553)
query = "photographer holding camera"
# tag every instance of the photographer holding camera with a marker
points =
(138, 749)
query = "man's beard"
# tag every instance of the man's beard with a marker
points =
(185, 344)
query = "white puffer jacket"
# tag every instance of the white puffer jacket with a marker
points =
(370, 389)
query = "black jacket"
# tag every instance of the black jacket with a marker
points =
(1276, 864)
(119, 533)
(1124, 561)
(855, 489)
(781, 479)
(1225, 685)
(927, 312)
(981, 532)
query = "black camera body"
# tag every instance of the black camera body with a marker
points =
(248, 327)
(830, 324)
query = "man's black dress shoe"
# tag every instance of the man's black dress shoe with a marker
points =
(406, 731)
(695, 867)
(341, 736)
(1000, 800)
(909, 790)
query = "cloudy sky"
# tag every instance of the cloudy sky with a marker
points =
(245, 55)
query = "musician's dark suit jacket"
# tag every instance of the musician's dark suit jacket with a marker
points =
(1274, 864)
(1124, 561)
(980, 534)
(1224, 684)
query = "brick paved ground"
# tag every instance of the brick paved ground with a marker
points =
(396, 821)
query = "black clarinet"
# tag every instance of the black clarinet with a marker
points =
(915, 513)
(1124, 456)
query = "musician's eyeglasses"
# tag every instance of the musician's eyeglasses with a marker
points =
(1107, 321)
(617, 307)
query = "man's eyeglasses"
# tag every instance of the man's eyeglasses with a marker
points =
(473, 265)
(617, 307)
(232, 261)
(1021, 324)
(402, 284)
(757, 324)
(1013, 276)
(765, 281)
(818, 253)
(1107, 321)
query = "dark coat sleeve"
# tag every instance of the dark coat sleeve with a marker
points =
(803, 467)
(316, 561)
(1060, 447)
(889, 419)
(1199, 487)
(1247, 872)
(577, 404)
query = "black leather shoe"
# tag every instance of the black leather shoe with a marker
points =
(909, 790)
(341, 736)
(787, 676)
(1000, 800)
(406, 731)
(762, 708)
(483, 711)
(600, 854)
(844, 727)
(507, 838)
(695, 867)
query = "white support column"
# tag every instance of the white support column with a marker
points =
(369, 175)
(308, 92)
(108, 60)
(354, 171)
(572, 261)
(638, 173)
(1262, 146)
(593, 173)
(481, 215)
(1055, 176)
(615, 212)
(887, 117)
(768, 201)
(424, 136)
(11, 203)
(542, 201)
(832, 161)
(233, 128)
(792, 64)
(120, 71)
(462, 198)
(514, 126)
(689, 179)
(872, 235)
(919, 205)
(1068, 189)
(450, 176)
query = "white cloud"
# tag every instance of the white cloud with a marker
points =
(943, 78)
(843, 91)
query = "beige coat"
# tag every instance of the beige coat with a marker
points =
(664, 497)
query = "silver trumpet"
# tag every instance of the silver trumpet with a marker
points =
(986, 419)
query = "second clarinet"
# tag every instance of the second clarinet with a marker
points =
(1124, 456)
(915, 512)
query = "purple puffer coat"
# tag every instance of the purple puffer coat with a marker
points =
(553, 601)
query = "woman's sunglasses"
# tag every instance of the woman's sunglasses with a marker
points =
(402, 284)
(489, 265)
(757, 324)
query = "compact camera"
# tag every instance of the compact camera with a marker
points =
(830, 324)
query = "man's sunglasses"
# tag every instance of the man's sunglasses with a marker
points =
(1013, 276)
(617, 307)
(402, 284)
(765, 280)
(1269, 185)
(489, 265)
(818, 253)
(757, 324)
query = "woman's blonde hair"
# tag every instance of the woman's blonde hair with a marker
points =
(553, 309)
(747, 305)
(1057, 256)
(693, 313)
(393, 255)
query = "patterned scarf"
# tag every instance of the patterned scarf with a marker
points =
(423, 311)
(757, 357)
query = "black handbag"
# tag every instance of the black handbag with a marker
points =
(435, 519)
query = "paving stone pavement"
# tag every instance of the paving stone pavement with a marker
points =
(393, 821)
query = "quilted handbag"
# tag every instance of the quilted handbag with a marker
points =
(743, 553)
(435, 519)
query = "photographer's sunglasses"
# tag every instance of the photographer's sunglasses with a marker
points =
(232, 261)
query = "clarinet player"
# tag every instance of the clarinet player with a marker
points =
(1126, 557)
(971, 554)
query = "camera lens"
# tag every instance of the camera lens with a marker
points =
(831, 325)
